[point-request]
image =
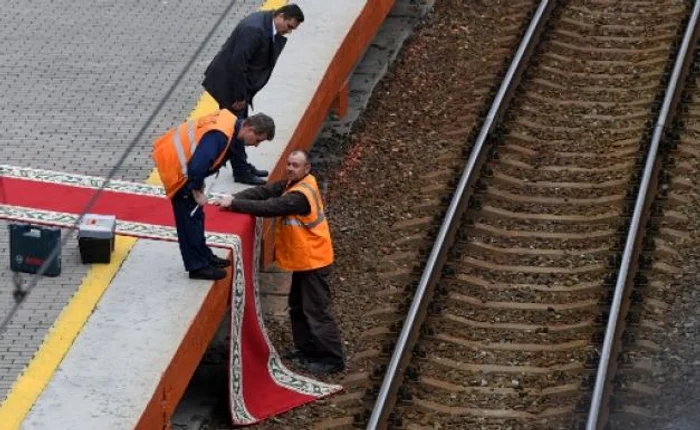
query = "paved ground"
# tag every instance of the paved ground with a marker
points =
(79, 80)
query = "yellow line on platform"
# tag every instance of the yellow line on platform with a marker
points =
(36, 376)
(273, 4)
(60, 337)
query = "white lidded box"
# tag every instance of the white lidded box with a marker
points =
(96, 238)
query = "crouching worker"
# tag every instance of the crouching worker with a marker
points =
(302, 246)
(184, 156)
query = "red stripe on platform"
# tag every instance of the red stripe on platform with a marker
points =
(263, 396)
(125, 206)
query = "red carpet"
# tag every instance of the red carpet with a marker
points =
(260, 385)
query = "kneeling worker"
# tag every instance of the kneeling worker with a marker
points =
(302, 246)
(184, 156)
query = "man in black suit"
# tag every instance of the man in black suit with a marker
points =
(242, 68)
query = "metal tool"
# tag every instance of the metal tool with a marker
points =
(204, 191)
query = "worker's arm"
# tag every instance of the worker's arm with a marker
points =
(206, 153)
(262, 192)
(293, 203)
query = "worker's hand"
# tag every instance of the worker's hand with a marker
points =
(238, 105)
(199, 197)
(224, 202)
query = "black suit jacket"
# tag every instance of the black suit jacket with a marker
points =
(245, 62)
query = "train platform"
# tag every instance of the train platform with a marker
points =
(86, 85)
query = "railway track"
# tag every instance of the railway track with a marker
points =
(465, 48)
(640, 381)
(402, 261)
(517, 292)
(513, 316)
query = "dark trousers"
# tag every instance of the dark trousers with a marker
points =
(239, 160)
(190, 231)
(237, 154)
(314, 330)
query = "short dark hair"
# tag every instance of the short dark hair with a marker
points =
(261, 123)
(306, 154)
(291, 11)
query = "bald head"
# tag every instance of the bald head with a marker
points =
(301, 153)
(298, 165)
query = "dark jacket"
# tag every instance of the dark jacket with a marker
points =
(245, 62)
(269, 200)
(207, 151)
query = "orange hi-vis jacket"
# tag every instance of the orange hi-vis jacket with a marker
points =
(303, 242)
(173, 150)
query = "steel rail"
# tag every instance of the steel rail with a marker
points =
(643, 200)
(386, 399)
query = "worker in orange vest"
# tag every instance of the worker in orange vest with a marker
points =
(303, 246)
(184, 156)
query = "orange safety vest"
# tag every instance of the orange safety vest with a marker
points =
(303, 242)
(173, 150)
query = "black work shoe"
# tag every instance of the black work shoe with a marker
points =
(249, 180)
(293, 354)
(322, 367)
(257, 172)
(208, 272)
(296, 356)
(219, 263)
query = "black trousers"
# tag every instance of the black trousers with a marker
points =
(237, 154)
(190, 231)
(314, 329)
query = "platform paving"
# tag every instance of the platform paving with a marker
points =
(80, 80)
(133, 333)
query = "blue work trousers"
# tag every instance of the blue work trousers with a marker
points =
(190, 231)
